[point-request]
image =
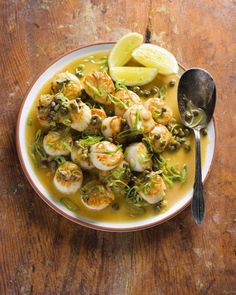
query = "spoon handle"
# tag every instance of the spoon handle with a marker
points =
(198, 206)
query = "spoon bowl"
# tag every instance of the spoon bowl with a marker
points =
(196, 102)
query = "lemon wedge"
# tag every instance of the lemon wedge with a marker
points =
(151, 55)
(132, 76)
(122, 51)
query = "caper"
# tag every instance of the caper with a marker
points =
(154, 90)
(141, 92)
(63, 110)
(163, 110)
(79, 74)
(81, 67)
(95, 120)
(195, 113)
(136, 89)
(182, 140)
(175, 131)
(186, 131)
(146, 93)
(115, 206)
(187, 147)
(73, 106)
(181, 133)
(172, 83)
(204, 131)
(178, 144)
(172, 147)
(188, 116)
(162, 143)
(110, 113)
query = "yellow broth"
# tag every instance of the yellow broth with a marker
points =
(124, 214)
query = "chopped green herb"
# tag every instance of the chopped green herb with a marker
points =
(69, 204)
(88, 141)
(169, 173)
(118, 147)
(29, 121)
(60, 160)
(120, 85)
(128, 135)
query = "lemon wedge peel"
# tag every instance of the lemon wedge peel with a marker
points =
(121, 53)
(151, 55)
(133, 76)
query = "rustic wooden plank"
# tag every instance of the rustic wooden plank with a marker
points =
(41, 252)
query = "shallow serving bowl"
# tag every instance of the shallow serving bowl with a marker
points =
(41, 190)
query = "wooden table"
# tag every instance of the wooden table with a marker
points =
(43, 253)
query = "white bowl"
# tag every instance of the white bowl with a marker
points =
(42, 191)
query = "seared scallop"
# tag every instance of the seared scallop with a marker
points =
(68, 178)
(139, 118)
(111, 126)
(96, 196)
(68, 84)
(45, 101)
(99, 86)
(80, 115)
(136, 154)
(161, 113)
(80, 156)
(152, 188)
(160, 138)
(106, 155)
(127, 98)
(56, 143)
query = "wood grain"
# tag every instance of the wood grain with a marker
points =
(43, 253)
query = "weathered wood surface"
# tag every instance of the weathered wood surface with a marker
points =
(43, 253)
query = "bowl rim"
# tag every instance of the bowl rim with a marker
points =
(56, 208)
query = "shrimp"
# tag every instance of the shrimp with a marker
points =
(98, 115)
(152, 188)
(96, 196)
(68, 178)
(45, 101)
(160, 138)
(160, 112)
(68, 84)
(80, 115)
(111, 126)
(127, 97)
(55, 143)
(139, 118)
(136, 154)
(99, 86)
(80, 155)
(106, 155)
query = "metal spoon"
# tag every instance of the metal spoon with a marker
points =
(197, 88)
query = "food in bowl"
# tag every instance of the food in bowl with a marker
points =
(110, 147)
